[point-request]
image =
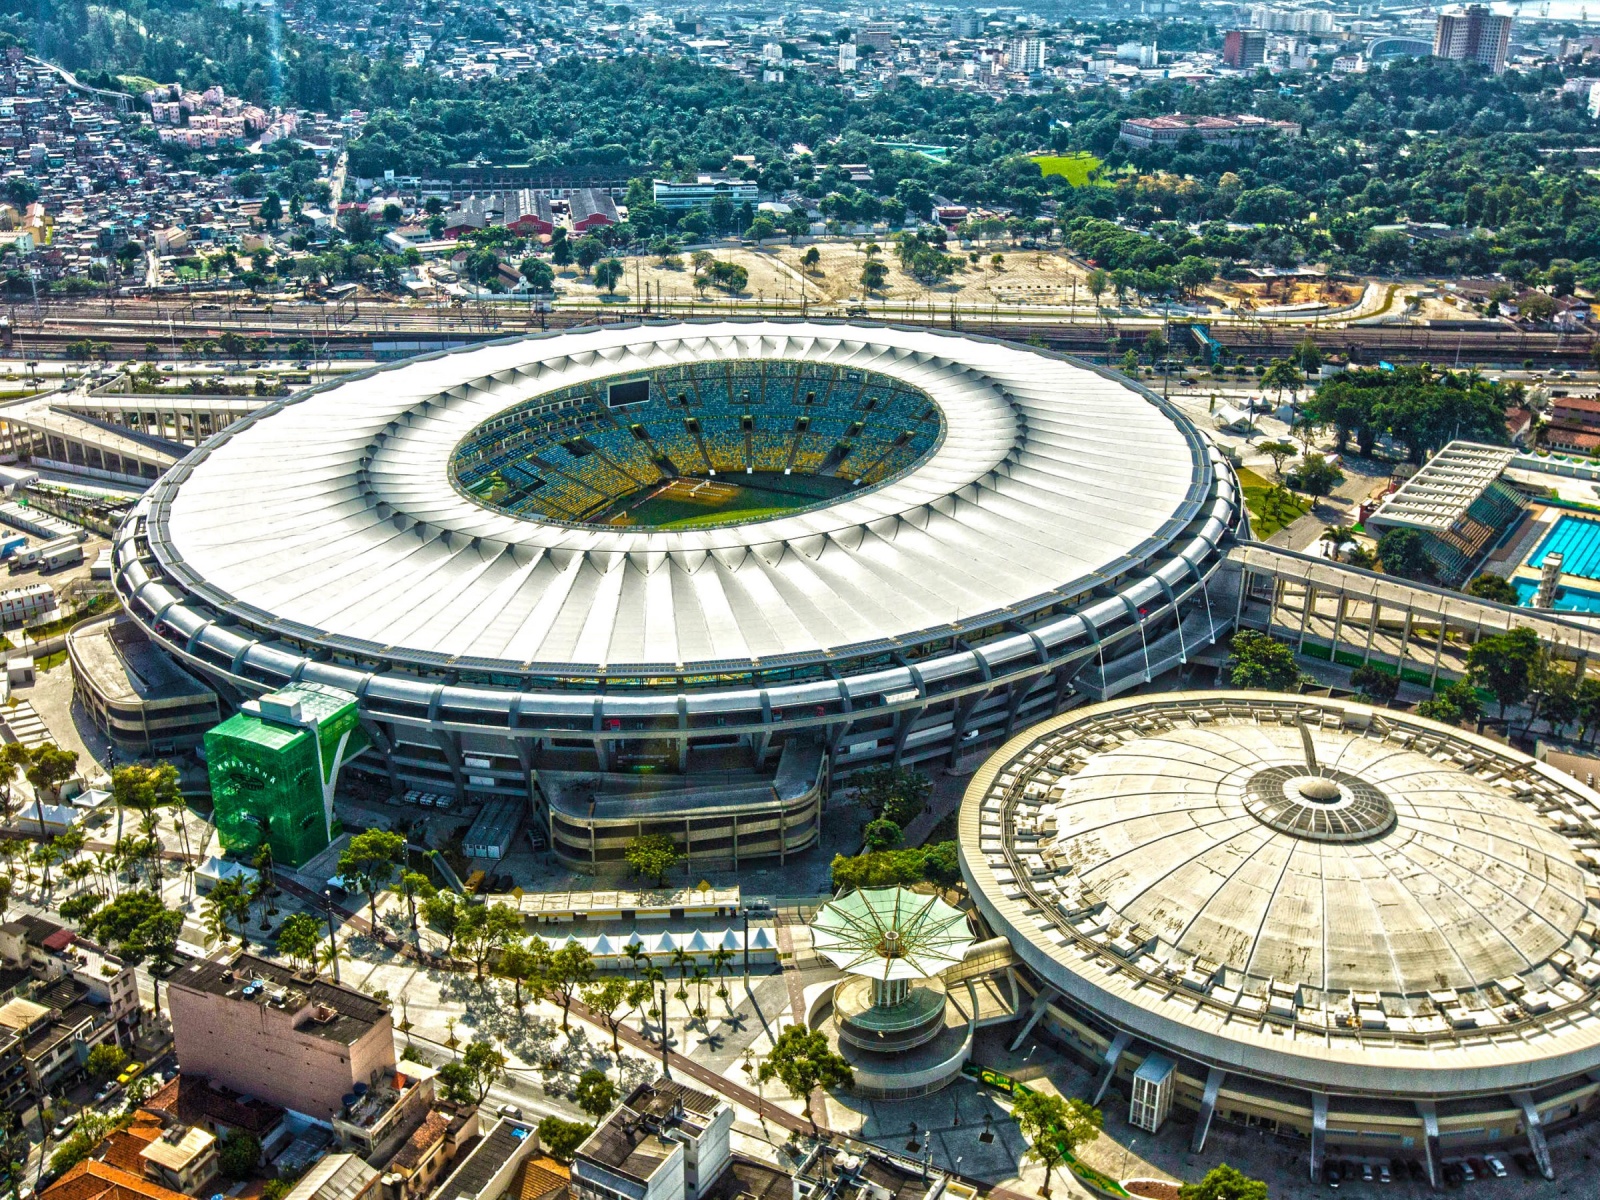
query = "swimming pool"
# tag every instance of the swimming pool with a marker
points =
(1567, 599)
(1578, 541)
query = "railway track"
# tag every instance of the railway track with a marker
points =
(130, 328)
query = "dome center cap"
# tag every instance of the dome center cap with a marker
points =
(1319, 791)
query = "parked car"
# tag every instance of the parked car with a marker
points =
(1467, 1171)
(1496, 1167)
(1366, 1172)
(1383, 1173)
(510, 1110)
(130, 1072)
(1525, 1163)
(64, 1126)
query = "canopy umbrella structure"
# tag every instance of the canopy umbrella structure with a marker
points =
(891, 936)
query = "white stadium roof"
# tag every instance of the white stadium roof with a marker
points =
(333, 513)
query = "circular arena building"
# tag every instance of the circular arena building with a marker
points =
(674, 577)
(1338, 923)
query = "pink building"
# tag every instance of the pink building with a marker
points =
(293, 1040)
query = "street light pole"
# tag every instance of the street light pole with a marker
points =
(333, 943)
(666, 1065)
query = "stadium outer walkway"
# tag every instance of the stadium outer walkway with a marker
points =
(1353, 616)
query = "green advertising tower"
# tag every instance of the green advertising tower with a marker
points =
(273, 768)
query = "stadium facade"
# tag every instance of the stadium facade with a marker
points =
(1332, 922)
(676, 577)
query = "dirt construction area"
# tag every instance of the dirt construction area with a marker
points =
(778, 272)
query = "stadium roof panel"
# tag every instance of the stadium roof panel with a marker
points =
(334, 513)
(1306, 889)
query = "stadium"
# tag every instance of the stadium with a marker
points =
(677, 577)
(1335, 923)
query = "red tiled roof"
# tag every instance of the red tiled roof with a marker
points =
(96, 1180)
(191, 1100)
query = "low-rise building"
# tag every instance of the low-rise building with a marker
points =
(136, 696)
(1143, 133)
(429, 1151)
(664, 1142)
(294, 1040)
(494, 1165)
(592, 208)
(188, 1099)
(703, 191)
(336, 1177)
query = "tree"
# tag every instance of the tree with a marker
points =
(1504, 664)
(1098, 281)
(652, 855)
(561, 252)
(1315, 476)
(369, 861)
(1279, 452)
(607, 274)
(229, 901)
(562, 1138)
(801, 1061)
(811, 259)
(485, 930)
(105, 1060)
(595, 1093)
(1281, 376)
(146, 789)
(485, 1066)
(589, 250)
(538, 274)
(874, 275)
(48, 768)
(271, 211)
(415, 887)
(1260, 661)
(1454, 704)
(524, 964)
(1402, 553)
(300, 937)
(1054, 1128)
(894, 792)
(1588, 699)
(1224, 1183)
(446, 912)
(570, 968)
(1497, 588)
(606, 1000)
(140, 927)
(1375, 684)
(238, 1155)
(882, 834)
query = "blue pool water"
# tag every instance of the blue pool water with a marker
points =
(1567, 599)
(1578, 541)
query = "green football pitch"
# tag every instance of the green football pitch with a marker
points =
(754, 497)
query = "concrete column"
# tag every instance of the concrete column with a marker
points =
(1108, 1069)
(1305, 615)
(1430, 1140)
(1372, 629)
(1319, 1133)
(1208, 1106)
(1534, 1124)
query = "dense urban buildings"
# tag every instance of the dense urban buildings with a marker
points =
(1473, 34)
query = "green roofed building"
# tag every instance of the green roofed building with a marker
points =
(273, 767)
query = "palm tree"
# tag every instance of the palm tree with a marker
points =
(1337, 535)
(681, 959)
(720, 958)
(636, 954)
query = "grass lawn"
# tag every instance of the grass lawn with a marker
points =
(1074, 168)
(1271, 505)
